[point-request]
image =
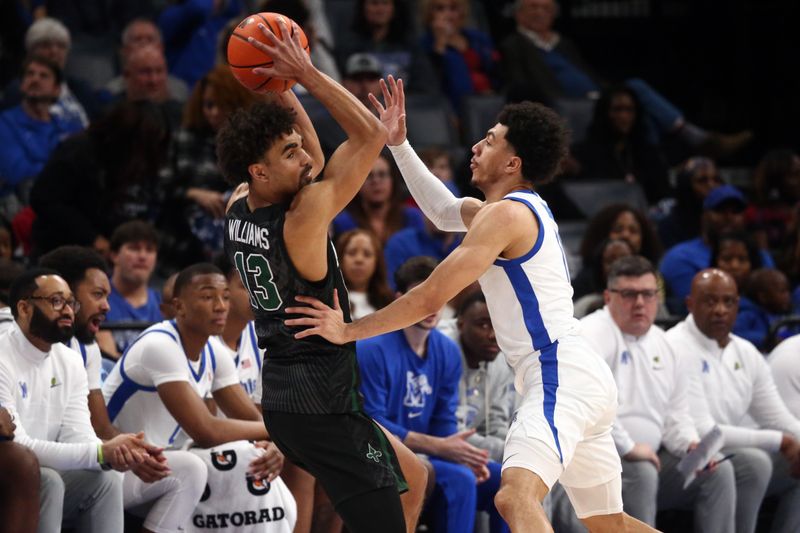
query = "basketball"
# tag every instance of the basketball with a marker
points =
(244, 57)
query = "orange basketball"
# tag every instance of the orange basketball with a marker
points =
(243, 57)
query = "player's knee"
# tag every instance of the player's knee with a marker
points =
(505, 501)
(190, 470)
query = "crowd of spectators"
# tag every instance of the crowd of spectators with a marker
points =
(120, 162)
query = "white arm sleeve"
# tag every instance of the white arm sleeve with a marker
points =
(436, 201)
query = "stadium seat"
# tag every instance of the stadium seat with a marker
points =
(578, 114)
(591, 196)
(430, 122)
(480, 113)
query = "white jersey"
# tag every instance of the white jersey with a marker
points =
(156, 357)
(530, 297)
(248, 360)
(92, 361)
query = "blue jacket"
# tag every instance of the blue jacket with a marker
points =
(413, 242)
(404, 392)
(26, 144)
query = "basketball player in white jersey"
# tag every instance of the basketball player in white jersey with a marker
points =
(562, 430)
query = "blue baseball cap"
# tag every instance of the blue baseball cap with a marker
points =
(724, 194)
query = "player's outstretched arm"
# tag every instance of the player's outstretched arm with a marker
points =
(494, 229)
(441, 206)
(191, 413)
(348, 166)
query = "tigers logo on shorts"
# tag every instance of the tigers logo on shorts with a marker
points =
(206, 493)
(224, 460)
(257, 487)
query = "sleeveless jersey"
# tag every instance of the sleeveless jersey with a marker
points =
(530, 298)
(311, 375)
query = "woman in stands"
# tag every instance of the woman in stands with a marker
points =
(618, 221)
(364, 270)
(465, 58)
(378, 206)
(618, 146)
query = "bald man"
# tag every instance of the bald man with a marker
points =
(730, 379)
(145, 76)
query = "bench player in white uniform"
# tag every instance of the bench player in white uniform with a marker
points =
(163, 490)
(158, 384)
(562, 430)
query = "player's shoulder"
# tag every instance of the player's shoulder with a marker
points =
(161, 336)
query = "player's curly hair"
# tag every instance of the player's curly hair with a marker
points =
(247, 135)
(538, 136)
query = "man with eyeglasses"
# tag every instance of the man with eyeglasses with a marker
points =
(654, 428)
(730, 379)
(43, 385)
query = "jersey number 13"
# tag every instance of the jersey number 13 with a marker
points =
(256, 275)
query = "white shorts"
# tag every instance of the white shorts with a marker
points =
(562, 430)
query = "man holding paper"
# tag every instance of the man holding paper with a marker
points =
(730, 379)
(654, 428)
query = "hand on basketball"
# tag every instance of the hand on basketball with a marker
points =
(322, 320)
(643, 452)
(269, 464)
(289, 59)
(393, 116)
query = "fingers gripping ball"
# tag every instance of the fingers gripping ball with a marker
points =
(244, 57)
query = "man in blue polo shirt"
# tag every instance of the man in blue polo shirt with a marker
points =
(410, 380)
(723, 211)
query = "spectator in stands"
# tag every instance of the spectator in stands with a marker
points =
(378, 206)
(695, 179)
(199, 189)
(777, 190)
(49, 38)
(362, 75)
(723, 212)
(102, 177)
(364, 270)
(768, 301)
(9, 270)
(440, 163)
(411, 242)
(384, 29)
(190, 31)
(134, 250)
(167, 306)
(19, 484)
(654, 428)
(139, 33)
(541, 64)
(410, 385)
(465, 58)
(735, 253)
(731, 380)
(163, 489)
(605, 254)
(616, 221)
(176, 362)
(786, 372)
(486, 396)
(617, 146)
(145, 76)
(29, 133)
(43, 385)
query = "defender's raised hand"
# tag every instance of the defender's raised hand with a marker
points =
(289, 60)
(393, 116)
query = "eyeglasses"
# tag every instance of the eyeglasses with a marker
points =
(58, 302)
(631, 295)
